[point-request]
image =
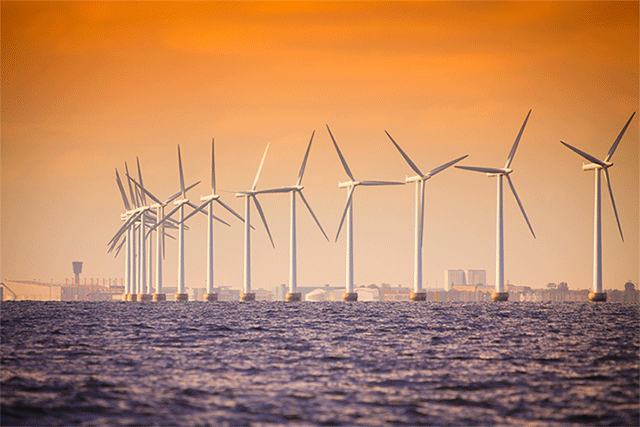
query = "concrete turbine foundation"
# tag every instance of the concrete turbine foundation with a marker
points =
(418, 296)
(145, 297)
(181, 297)
(597, 296)
(499, 296)
(293, 296)
(159, 297)
(349, 296)
(133, 297)
(247, 296)
(211, 296)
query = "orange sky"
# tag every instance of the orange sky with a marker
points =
(88, 86)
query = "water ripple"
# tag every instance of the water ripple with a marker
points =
(311, 364)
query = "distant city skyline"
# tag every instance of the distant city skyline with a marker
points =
(87, 86)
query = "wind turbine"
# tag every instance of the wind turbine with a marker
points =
(210, 295)
(127, 254)
(418, 294)
(130, 217)
(249, 195)
(161, 218)
(293, 294)
(349, 294)
(597, 294)
(181, 295)
(500, 294)
(143, 279)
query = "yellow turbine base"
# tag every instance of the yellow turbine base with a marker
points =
(182, 297)
(293, 296)
(159, 297)
(249, 296)
(211, 297)
(418, 296)
(499, 296)
(597, 296)
(133, 297)
(349, 296)
(145, 297)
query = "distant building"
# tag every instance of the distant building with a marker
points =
(280, 292)
(476, 277)
(454, 278)
(395, 294)
(368, 294)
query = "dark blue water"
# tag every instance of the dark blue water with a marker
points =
(331, 363)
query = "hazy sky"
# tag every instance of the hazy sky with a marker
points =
(88, 86)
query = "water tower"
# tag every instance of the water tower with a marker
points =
(77, 269)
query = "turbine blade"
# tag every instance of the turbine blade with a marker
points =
(119, 248)
(222, 221)
(382, 183)
(446, 165)
(406, 157)
(213, 168)
(304, 162)
(613, 203)
(344, 213)
(199, 209)
(181, 174)
(127, 206)
(131, 193)
(224, 205)
(144, 190)
(172, 198)
(344, 162)
(313, 215)
(585, 155)
(481, 169)
(166, 217)
(255, 181)
(142, 197)
(196, 210)
(513, 189)
(264, 220)
(124, 227)
(512, 153)
(194, 207)
(275, 190)
(617, 141)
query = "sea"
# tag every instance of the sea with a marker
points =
(319, 364)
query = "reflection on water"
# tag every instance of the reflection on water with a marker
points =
(334, 363)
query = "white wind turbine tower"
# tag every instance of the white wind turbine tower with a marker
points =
(350, 294)
(246, 294)
(210, 295)
(500, 294)
(293, 294)
(143, 278)
(598, 294)
(418, 294)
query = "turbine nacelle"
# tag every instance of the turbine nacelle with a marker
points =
(348, 184)
(181, 202)
(209, 198)
(417, 178)
(594, 166)
(504, 172)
